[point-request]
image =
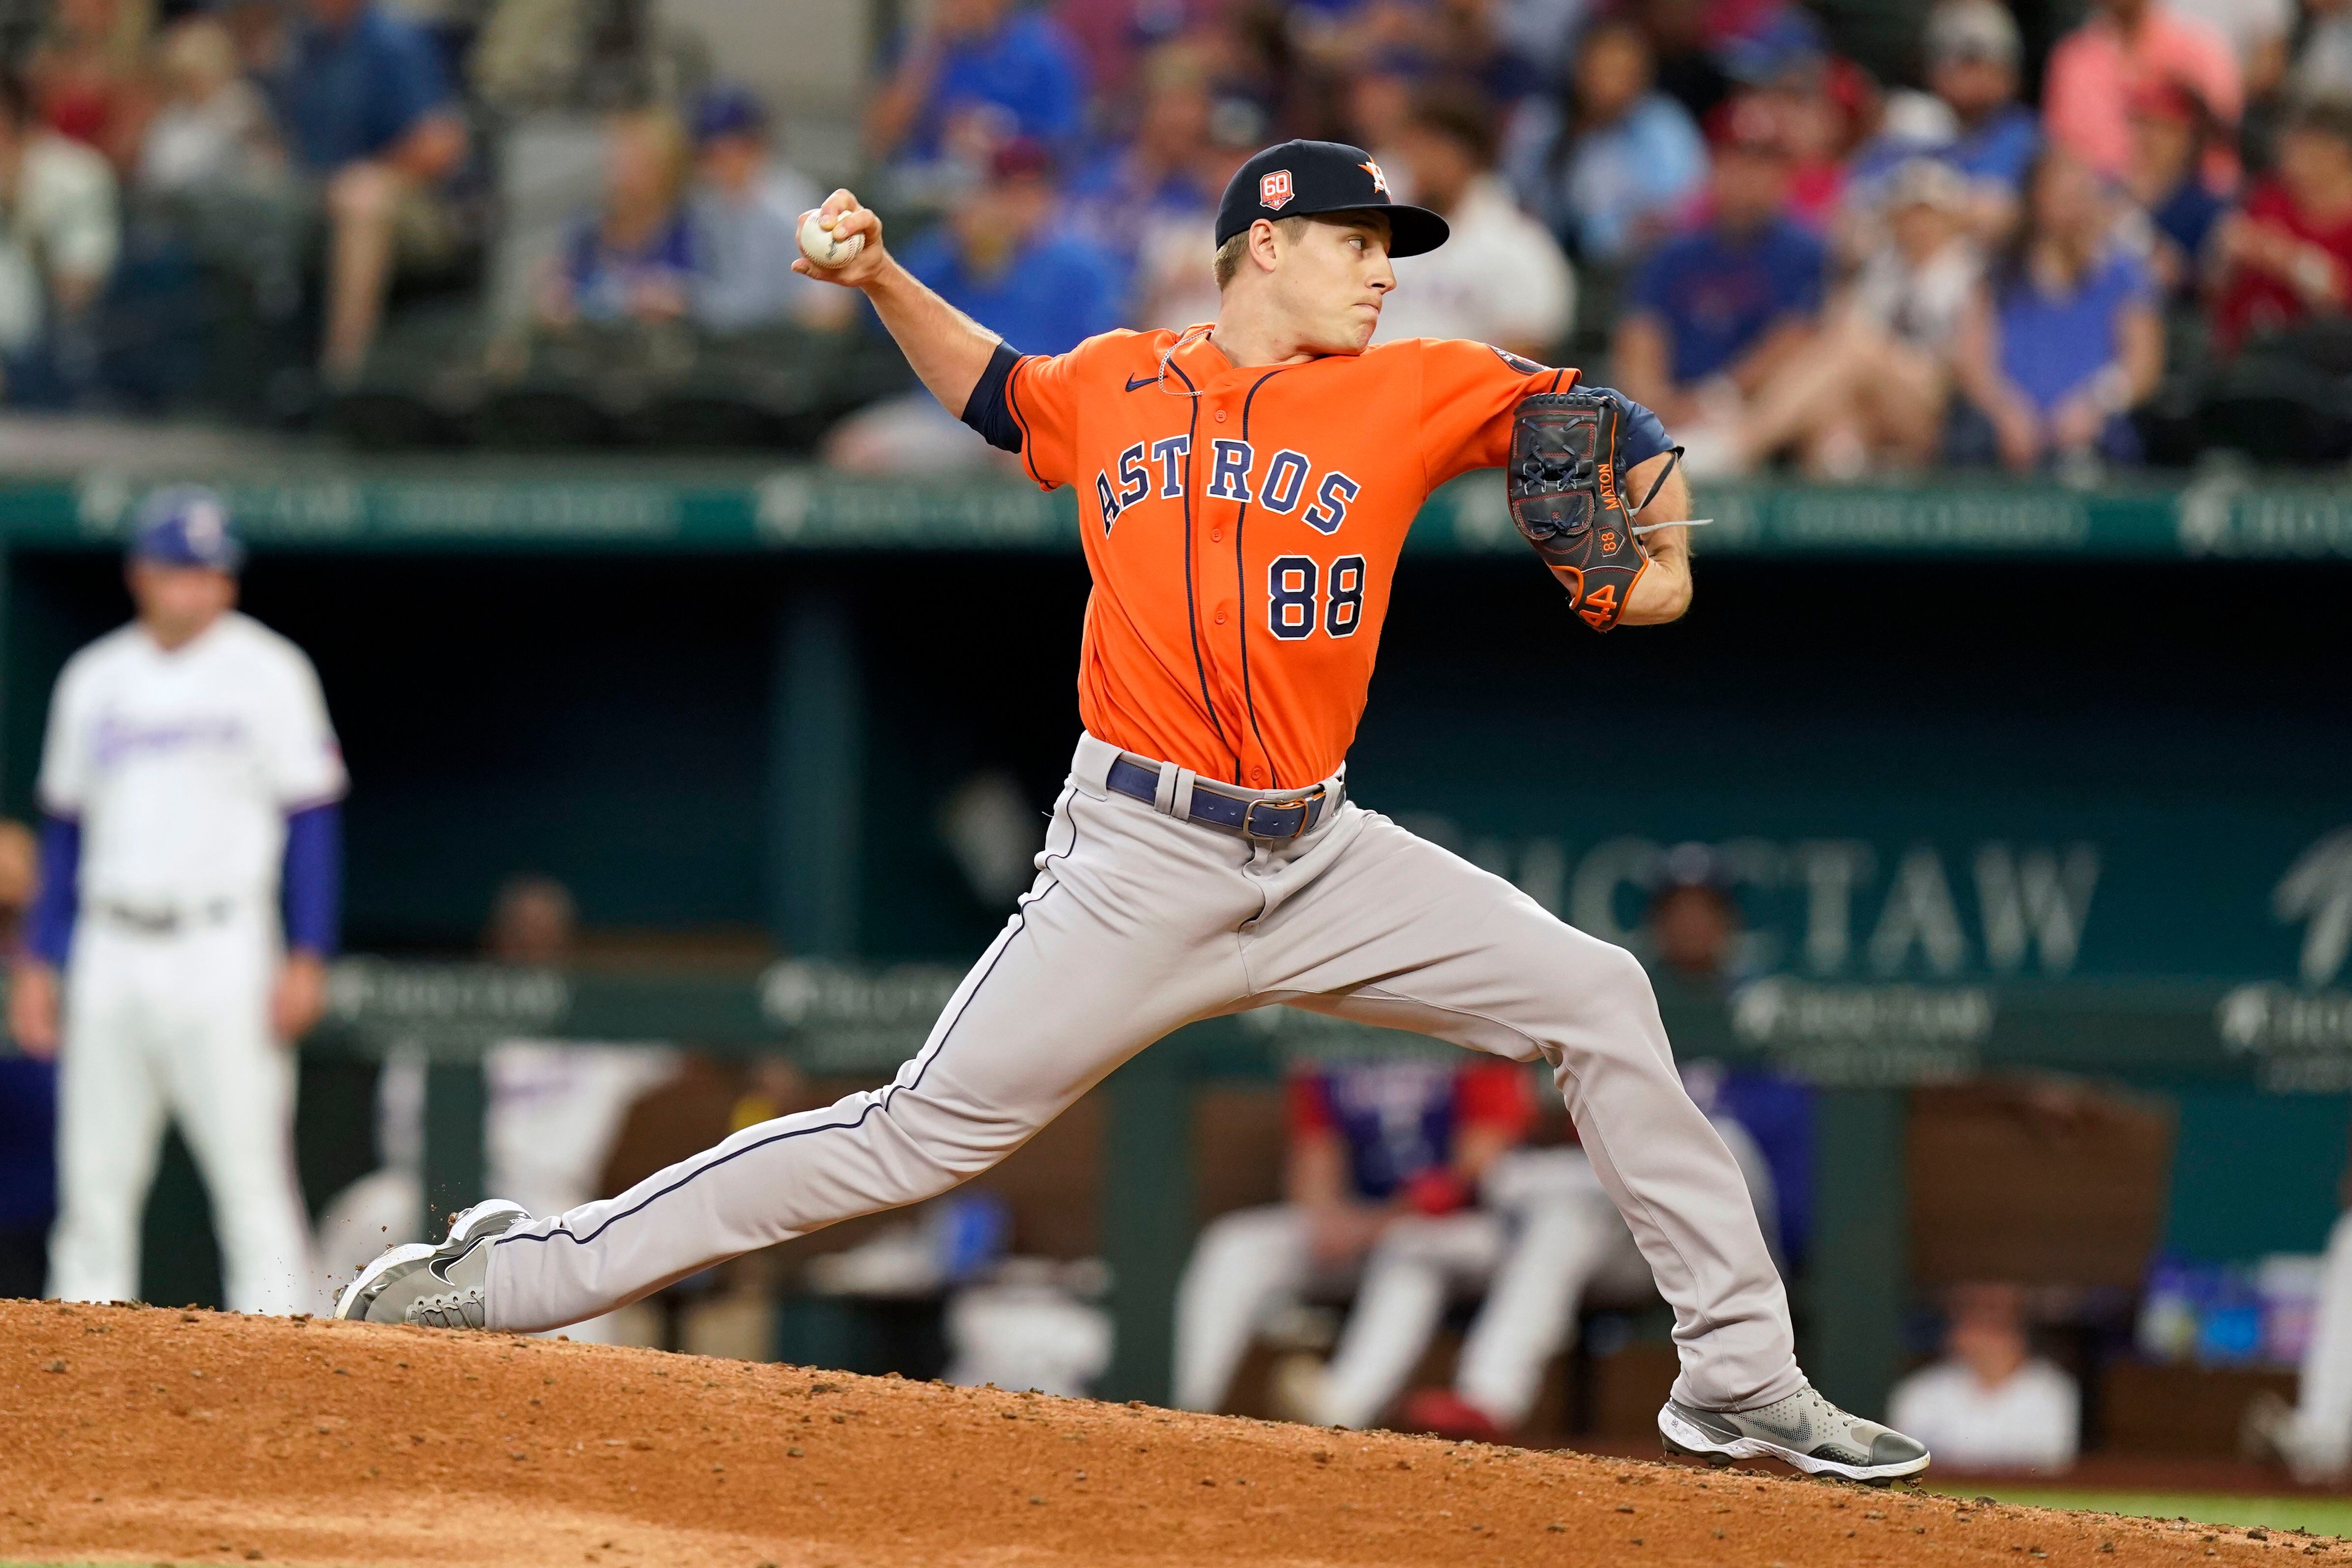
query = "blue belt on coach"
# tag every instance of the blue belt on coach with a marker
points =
(1250, 817)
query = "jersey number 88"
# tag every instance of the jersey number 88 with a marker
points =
(1292, 595)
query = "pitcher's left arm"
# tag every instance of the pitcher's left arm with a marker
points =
(1664, 592)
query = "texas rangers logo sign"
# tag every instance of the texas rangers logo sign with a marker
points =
(1274, 190)
(1380, 181)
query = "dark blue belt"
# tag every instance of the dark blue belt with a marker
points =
(1233, 813)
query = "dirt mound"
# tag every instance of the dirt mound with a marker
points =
(151, 1435)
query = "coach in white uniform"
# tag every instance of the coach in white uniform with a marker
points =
(189, 759)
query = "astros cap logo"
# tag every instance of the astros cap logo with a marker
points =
(1274, 190)
(1380, 181)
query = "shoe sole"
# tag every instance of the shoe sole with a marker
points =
(1681, 1437)
(462, 1229)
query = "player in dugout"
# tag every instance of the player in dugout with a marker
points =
(1245, 488)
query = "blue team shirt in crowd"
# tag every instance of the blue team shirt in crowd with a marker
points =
(1053, 295)
(351, 93)
(1029, 67)
(1397, 1120)
(1718, 294)
(2052, 344)
(606, 279)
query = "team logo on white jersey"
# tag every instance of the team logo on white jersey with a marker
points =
(1274, 190)
(1380, 181)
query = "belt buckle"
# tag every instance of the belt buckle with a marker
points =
(1304, 805)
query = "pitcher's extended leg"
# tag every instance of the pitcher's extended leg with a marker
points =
(1114, 947)
(1399, 933)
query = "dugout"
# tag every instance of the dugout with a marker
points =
(2013, 776)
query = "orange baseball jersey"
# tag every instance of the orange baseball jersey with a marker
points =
(1242, 525)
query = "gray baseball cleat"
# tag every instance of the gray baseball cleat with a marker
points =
(433, 1287)
(1804, 1430)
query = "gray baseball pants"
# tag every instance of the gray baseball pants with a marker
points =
(1140, 923)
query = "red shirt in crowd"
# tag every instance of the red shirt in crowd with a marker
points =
(2254, 301)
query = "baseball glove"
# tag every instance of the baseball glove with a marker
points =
(1567, 457)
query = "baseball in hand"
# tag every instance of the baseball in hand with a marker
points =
(823, 248)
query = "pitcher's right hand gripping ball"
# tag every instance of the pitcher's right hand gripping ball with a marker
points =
(822, 246)
(1568, 454)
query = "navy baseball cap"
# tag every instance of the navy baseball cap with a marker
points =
(727, 110)
(1300, 179)
(186, 525)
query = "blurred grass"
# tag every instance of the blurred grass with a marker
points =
(2319, 1515)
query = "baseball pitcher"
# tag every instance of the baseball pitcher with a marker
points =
(1245, 486)
(189, 782)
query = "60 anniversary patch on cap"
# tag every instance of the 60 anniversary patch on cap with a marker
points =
(1300, 179)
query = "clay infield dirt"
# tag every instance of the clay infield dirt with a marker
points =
(147, 1435)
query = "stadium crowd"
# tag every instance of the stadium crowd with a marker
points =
(1994, 249)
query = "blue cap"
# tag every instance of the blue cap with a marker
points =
(186, 525)
(727, 110)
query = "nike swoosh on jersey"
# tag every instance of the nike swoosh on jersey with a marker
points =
(1134, 384)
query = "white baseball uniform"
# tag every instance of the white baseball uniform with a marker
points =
(181, 767)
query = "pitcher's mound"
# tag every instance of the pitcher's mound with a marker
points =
(154, 1435)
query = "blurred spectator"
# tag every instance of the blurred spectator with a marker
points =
(2065, 338)
(746, 215)
(1117, 198)
(1687, 66)
(1501, 279)
(2257, 32)
(87, 74)
(1970, 117)
(534, 922)
(974, 75)
(1715, 313)
(2287, 256)
(2169, 133)
(1612, 165)
(634, 260)
(1174, 282)
(369, 114)
(2129, 44)
(1470, 41)
(1694, 921)
(1379, 102)
(29, 1099)
(1990, 1403)
(1001, 259)
(1871, 390)
(213, 126)
(1814, 99)
(2323, 63)
(61, 240)
(1384, 1163)
(1113, 35)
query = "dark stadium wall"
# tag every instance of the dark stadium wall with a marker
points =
(1870, 731)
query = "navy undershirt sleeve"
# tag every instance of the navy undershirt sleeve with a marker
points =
(986, 410)
(48, 932)
(314, 879)
(1645, 433)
